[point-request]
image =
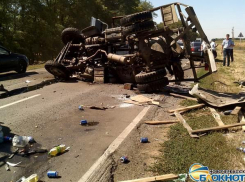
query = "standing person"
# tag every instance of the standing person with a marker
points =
(226, 49)
(231, 50)
(213, 47)
(203, 46)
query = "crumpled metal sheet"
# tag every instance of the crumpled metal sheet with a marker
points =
(217, 99)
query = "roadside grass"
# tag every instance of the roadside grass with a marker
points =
(35, 66)
(223, 80)
(217, 150)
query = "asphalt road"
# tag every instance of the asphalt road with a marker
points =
(51, 116)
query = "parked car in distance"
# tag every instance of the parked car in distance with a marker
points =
(196, 48)
(12, 61)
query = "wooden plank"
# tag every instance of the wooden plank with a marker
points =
(241, 119)
(185, 124)
(161, 122)
(236, 110)
(217, 128)
(187, 108)
(216, 117)
(183, 96)
(132, 102)
(165, 177)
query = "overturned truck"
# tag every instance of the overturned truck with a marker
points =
(134, 52)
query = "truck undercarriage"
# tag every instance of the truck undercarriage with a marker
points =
(134, 52)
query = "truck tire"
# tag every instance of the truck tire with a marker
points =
(153, 86)
(71, 34)
(151, 76)
(138, 27)
(57, 69)
(135, 18)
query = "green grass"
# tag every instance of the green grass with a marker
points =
(187, 102)
(35, 66)
(181, 151)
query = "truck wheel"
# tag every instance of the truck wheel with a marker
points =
(151, 76)
(57, 69)
(71, 34)
(135, 18)
(138, 27)
(153, 86)
(21, 67)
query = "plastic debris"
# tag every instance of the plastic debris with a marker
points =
(80, 107)
(83, 122)
(27, 81)
(22, 141)
(58, 150)
(12, 164)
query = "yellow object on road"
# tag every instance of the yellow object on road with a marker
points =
(57, 150)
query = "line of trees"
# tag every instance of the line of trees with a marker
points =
(33, 27)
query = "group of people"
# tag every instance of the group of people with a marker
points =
(227, 49)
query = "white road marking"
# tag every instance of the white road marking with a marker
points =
(22, 100)
(114, 145)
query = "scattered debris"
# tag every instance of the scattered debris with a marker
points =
(216, 117)
(24, 153)
(183, 96)
(228, 112)
(22, 141)
(144, 140)
(32, 178)
(83, 122)
(58, 150)
(217, 99)
(7, 167)
(187, 108)
(236, 110)
(128, 86)
(141, 99)
(12, 164)
(165, 177)
(185, 124)
(161, 122)
(27, 81)
(241, 118)
(241, 82)
(52, 174)
(12, 155)
(7, 139)
(217, 128)
(132, 102)
(124, 159)
(80, 107)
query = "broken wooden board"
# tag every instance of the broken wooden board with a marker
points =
(132, 102)
(217, 128)
(141, 99)
(187, 108)
(236, 110)
(217, 99)
(185, 124)
(161, 122)
(241, 119)
(216, 117)
(165, 177)
(183, 96)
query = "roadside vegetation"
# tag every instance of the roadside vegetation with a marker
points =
(217, 150)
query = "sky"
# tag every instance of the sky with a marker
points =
(216, 17)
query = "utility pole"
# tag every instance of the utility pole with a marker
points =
(232, 32)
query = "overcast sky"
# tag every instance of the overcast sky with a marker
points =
(216, 17)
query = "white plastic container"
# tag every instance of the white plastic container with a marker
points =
(21, 141)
